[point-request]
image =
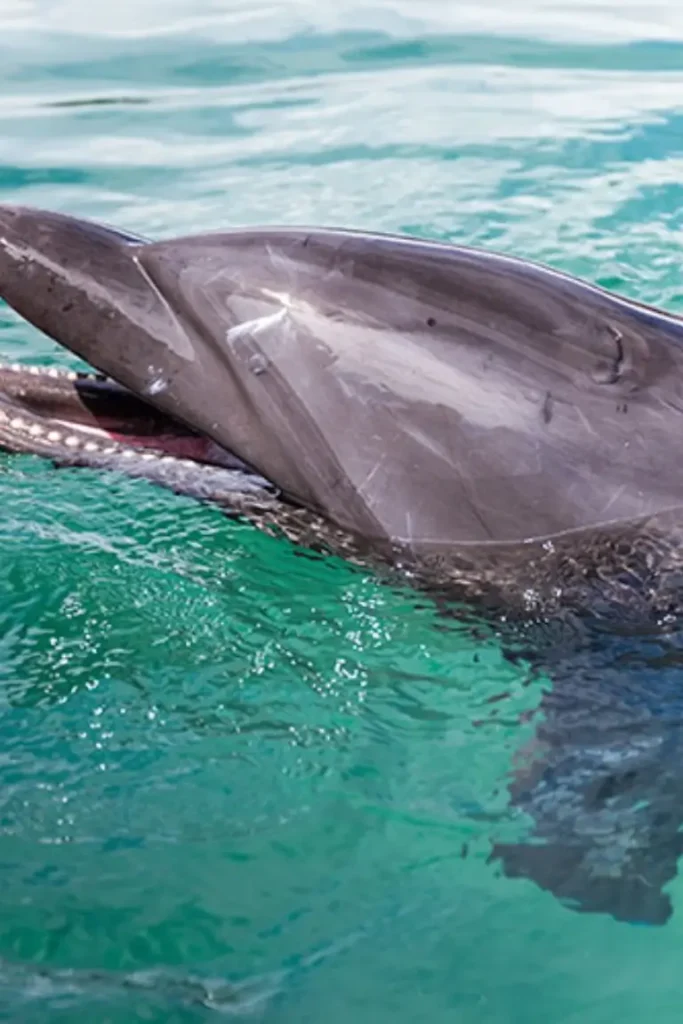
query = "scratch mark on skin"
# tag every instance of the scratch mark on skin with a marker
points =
(254, 327)
(409, 526)
(615, 497)
(371, 473)
(548, 408)
(585, 421)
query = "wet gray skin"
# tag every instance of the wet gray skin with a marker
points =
(504, 430)
(418, 395)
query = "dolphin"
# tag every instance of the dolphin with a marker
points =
(494, 428)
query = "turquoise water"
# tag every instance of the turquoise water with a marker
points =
(234, 780)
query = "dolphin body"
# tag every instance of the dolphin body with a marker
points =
(507, 432)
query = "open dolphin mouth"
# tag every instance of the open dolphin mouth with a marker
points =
(86, 419)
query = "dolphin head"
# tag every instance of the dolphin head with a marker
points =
(419, 393)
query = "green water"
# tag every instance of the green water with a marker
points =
(234, 779)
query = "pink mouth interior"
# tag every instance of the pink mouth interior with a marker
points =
(59, 407)
(181, 446)
(199, 449)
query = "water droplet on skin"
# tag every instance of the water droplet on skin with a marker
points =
(157, 383)
(258, 364)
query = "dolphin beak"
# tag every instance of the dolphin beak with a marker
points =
(82, 285)
(114, 300)
(78, 282)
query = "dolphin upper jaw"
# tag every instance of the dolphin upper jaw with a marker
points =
(81, 284)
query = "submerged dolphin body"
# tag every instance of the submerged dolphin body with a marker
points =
(500, 427)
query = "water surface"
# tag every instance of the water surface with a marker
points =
(235, 779)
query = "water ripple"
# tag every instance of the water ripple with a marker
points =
(221, 759)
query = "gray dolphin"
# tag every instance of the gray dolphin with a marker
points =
(422, 394)
(498, 427)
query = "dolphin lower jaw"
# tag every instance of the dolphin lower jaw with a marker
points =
(89, 420)
(84, 419)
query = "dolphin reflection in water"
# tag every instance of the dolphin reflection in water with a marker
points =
(506, 436)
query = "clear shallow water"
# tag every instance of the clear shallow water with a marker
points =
(232, 778)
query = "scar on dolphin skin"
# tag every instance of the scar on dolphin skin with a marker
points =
(547, 407)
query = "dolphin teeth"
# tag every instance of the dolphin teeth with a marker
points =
(73, 440)
(50, 371)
